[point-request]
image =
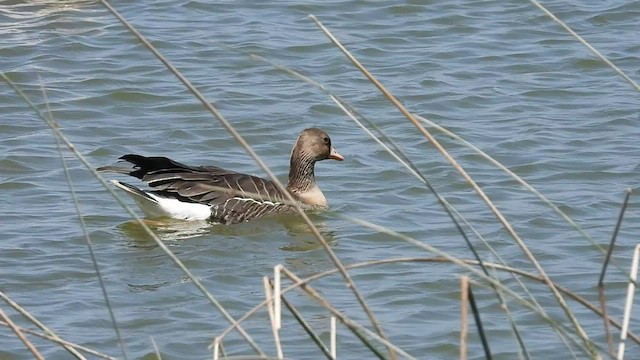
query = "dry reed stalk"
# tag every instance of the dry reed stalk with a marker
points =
(517, 178)
(523, 273)
(20, 335)
(464, 322)
(353, 325)
(276, 334)
(585, 43)
(350, 284)
(63, 342)
(506, 225)
(277, 307)
(216, 348)
(334, 339)
(462, 264)
(155, 348)
(601, 290)
(528, 275)
(133, 215)
(40, 325)
(83, 226)
(307, 328)
(629, 301)
(404, 160)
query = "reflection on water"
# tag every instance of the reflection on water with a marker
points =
(300, 236)
(166, 230)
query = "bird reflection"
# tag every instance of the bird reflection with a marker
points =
(300, 236)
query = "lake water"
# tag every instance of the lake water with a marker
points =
(500, 74)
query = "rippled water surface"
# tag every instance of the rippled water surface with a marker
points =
(500, 74)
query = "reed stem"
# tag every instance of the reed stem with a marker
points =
(601, 289)
(507, 226)
(464, 321)
(236, 135)
(7, 320)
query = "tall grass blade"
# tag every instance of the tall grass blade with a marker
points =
(399, 155)
(350, 284)
(478, 320)
(629, 302)
(464, 321)
(307, 328)
(507, 226)
(64, 343)
(601, 290)
(343, 318)
(517, 178)
(269, 297)
(20, 335)
(40, 325)
(131, 213)
(87, 237)
(585, 43)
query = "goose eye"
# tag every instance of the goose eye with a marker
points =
(326, 140)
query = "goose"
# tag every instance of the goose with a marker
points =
(223, 196)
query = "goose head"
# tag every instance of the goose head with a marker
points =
(313, 145)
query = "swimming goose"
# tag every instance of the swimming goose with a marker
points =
(224, 196)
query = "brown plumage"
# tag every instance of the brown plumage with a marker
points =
(231, 197)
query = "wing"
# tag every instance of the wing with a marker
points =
(233, 197)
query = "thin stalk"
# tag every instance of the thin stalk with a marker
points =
(334, 339)
(585, 43)
(258, 160)
(399, 155)
(343, 318)
(478, 320)
(133, 215)
(601, 290)
(590, 349)
(307, 328)
(507, 226)
(629, 301)
(20, 335)
(449, 209)
(155, 349)
(464, 321)
(276, 334)
(63, 342)
(579, 299)
(37, 323)
(87, 237)
(518, 179)
(616, 229)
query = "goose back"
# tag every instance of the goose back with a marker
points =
(233, 197)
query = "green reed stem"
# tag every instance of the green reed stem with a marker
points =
(601, 290)
(478, 320)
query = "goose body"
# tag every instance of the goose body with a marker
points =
(211, 193)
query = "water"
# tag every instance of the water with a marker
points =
(500, 74)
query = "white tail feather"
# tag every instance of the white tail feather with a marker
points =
(155, 206)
